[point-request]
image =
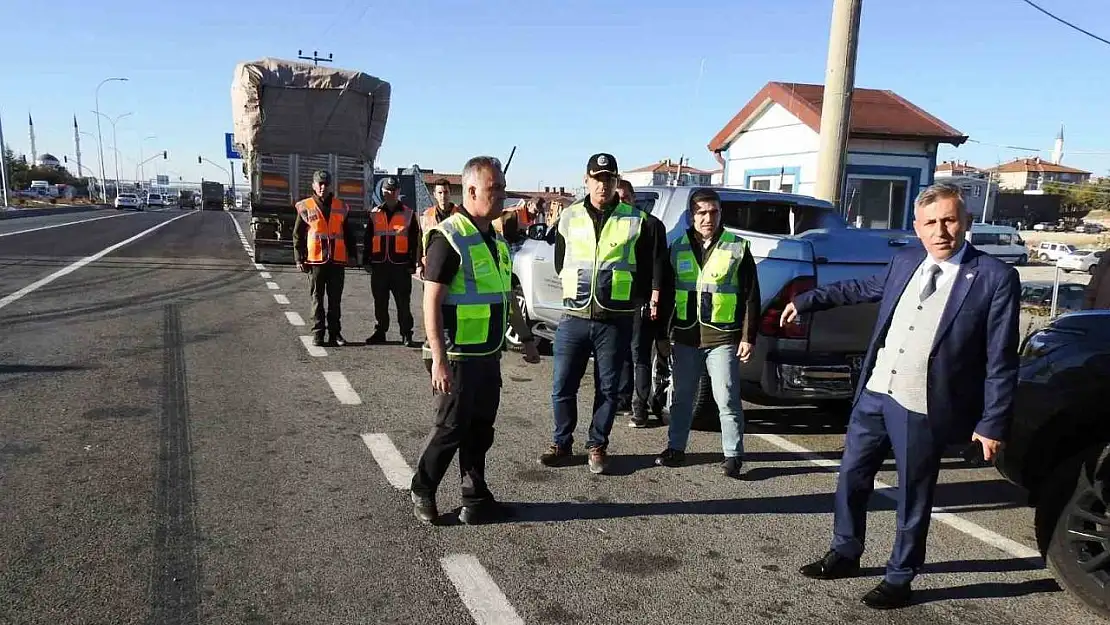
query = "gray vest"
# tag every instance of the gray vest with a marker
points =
(902, 363)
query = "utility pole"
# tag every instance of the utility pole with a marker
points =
(836, 105)
(315, 58)
(3, 167)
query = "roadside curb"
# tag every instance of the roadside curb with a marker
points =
(16, 213)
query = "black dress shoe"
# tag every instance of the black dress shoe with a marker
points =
(318, 340)
(831, 566)
(376, 338)
(887, 596)
(407, 341)
(424, 508)
(338, 340)
(481, 513)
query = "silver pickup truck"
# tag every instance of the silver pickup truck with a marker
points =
(798, 243)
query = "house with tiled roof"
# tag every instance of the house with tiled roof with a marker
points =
(1031, 174)
(667, 172)
(957, 169)
(772, 144)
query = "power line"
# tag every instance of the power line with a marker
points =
(1018, 147)
(1066, 23)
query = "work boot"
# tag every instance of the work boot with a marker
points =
(407, 341)
(671, 458)
(377, 338)
(639, 417)
(624, 408)
(424, 508)
(556, 456)
(598, 460)
(731, 467)
(338, 340)
(318, 339)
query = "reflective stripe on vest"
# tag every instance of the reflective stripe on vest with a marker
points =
(476, 309)
(325, 237)
(391, 235)
(602, 271)
(708, 294)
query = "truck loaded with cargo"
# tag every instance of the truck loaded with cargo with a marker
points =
(212, 195)
(291, 119)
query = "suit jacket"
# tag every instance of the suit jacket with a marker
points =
(973, 364)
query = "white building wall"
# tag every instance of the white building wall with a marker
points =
(776, 139)
(638, 178)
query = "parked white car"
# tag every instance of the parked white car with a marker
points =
(1080, 260)
(129, 201)
(1052, 251)
(155, 199)
(1002, 242)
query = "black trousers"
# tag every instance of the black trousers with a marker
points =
(386, 279)
(636, 373)
(464, 423)
(326, 281)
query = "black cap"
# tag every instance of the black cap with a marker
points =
(389, 184)
(602, 164)
(321, 175)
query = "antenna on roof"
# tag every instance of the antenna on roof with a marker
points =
(315, 58)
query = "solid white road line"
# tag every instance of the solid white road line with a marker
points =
(36, 285)
(950, 519)
(265, 274)
(281, 299)
(68, 223)
(343, 390)
(273, 286)
(479, 593)
(313, 350)
(392, 463)
(294, 318)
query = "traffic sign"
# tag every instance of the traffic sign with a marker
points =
(229, 143)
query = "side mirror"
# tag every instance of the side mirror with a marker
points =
(537, 232)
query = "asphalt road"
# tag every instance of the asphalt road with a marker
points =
(171, 452)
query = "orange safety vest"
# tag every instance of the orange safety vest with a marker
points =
(428, 217)
(391, 235)
(326, 242)
(524, 218)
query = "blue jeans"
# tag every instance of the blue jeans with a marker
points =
(609, 342)
(723, 368)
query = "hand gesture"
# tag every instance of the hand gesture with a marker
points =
(991, 447)
(789, 314)
(531, 352)
(441, 377)
(744, 352)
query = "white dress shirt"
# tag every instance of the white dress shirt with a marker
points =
(948, 269)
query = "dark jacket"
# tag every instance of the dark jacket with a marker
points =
(973, 365)
(300, 234)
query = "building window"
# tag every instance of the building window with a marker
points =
(877, 202)
(786, 188)
(761, 185)
(976, 191)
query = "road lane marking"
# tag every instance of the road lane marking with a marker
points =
(479, 593)
(343, 390)
(38, 284)
(68, 223)
(273, 286)
(391, 462)
(950, 519)
(281, 299)
(294, 318)
(242, 235)
(265, 274)
(313, 350)
(260, 266)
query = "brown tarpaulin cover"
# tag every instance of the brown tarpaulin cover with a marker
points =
(286, 107)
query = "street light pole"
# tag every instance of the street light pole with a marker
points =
(115, 143)
(100, 139)
(142, 157)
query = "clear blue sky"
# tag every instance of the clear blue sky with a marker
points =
(559, 78)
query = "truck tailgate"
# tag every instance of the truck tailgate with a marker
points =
(852, 254)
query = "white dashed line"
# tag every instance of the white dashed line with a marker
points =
(265, 274)
(242, 235)
(343, 390)
(950, 519)
(313, 350)
(273, 286)
(479, 593)
(392, 463)
(41, 282)
(281, 299)
(260, 266)
(68, 223)
(294, 318)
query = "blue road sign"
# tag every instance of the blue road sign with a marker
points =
(229, 143)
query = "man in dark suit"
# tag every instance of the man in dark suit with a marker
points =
(942, 365)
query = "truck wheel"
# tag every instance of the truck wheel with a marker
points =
(706, 416)
(1076, 504)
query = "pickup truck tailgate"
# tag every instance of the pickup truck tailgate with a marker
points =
(852, 254)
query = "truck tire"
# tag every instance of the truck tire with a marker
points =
(1071, 500)
(706, 416)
